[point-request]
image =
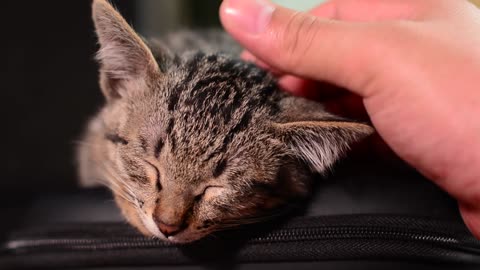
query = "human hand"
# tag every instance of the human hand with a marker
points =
(414, 64)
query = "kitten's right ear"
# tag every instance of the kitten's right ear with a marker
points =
(126, 63)
(315, 136)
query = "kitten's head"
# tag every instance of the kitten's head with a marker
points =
(195, 143)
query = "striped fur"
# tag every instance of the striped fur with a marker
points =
(193, 137)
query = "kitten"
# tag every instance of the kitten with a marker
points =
(193, 142)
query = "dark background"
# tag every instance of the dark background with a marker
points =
(50, 86)
(49, 90)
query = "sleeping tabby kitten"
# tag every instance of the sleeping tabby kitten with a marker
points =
(193, 141)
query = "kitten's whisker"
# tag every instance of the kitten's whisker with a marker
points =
(119, 193)
(250, 220)
(108, 167)
(114, 186)
(85, 143)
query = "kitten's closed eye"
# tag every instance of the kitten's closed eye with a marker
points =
(116, 139)
(209, 192)
(155, 175)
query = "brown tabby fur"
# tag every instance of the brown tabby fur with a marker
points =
(197, 141)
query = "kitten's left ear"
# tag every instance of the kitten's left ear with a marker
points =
(315, 136)
(126, 61)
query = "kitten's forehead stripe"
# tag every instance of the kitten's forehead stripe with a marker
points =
(172, 101)
(220, 168)
(175, 93)
(212, 58)
(173, 142)
(203, 83)
(240, 126)
(158, 148)
(234, 105)
(143, 143)
(170, 126)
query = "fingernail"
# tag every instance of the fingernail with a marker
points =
(252, 16)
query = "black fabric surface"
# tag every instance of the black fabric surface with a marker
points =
(356, 186)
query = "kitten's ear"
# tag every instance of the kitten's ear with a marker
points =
(126, 61)
(316, 137)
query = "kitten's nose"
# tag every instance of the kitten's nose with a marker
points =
(167, 229)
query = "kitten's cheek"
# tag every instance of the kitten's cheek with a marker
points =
(131, 216)
(139, 226)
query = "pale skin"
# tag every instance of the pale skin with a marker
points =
(415, 66)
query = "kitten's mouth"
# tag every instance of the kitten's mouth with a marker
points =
(182, 238)
(177, 240)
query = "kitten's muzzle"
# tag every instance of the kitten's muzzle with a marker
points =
(168, 229)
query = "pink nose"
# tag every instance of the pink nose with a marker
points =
(167, 229)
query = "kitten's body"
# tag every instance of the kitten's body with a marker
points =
(192, 141)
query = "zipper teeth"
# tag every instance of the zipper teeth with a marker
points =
(353, 232)
(296, 234)
(85, 244)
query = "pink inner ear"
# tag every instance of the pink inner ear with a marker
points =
(116, 62)
(321, 143)
(123, 55)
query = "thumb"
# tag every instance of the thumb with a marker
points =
(302, 44)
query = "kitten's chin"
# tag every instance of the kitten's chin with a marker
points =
(183, 239)
(186, 236)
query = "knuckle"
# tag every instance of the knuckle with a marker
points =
(296, 38)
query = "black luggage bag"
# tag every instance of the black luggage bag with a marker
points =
(369, 214)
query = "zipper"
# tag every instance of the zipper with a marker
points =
(322, 233)
(84, 244)
(123, 238)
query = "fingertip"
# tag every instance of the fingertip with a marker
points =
(326, 10)
(294, 42)
(246, 17)
(247, 56)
